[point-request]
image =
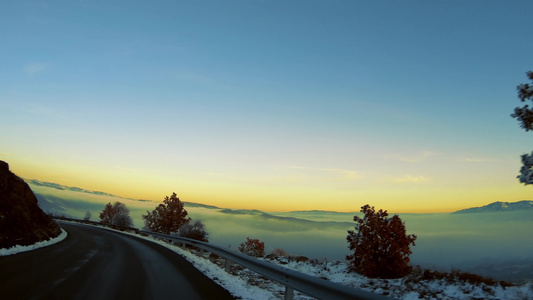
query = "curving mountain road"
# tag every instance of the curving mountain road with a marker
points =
(93, 263)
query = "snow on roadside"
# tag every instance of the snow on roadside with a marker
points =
(18, 249)
(247, 284)
(405, 288)
(336, 271)
(234, 284)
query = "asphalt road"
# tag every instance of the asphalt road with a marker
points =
(93, 263)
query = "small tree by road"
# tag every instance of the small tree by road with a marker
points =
(252, 247)
(88, 216)
(380, 244)
(167, 217)
(194, 230)
(116, 214)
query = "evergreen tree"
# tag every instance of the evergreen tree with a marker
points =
(380, 244)
(167, 217)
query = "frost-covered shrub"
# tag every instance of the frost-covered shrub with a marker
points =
(278, 252)
(195, 230)
(116, 214)
(122, 219)
(252, 247)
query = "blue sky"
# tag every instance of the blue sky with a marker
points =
(273, 105)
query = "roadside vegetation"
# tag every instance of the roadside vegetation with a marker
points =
(426, 283)
(171, 217)
(380, 245)
(88, 216)
(195, 230)
(116, 214)
(252, 247)
(167, 217)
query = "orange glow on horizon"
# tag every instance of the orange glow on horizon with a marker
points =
(272, 198)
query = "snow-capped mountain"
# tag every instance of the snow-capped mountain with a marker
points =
(499, 206)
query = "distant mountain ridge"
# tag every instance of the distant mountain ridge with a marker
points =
(64, 187)
(492, 207)
(77, 189)
(58, 205)
(499, 207)
(74, 189)
(266, 216)
(313, 211)
(194, 204)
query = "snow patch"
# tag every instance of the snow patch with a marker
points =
(337, 271)
(235, 285)
(18, 249)
(247, 284)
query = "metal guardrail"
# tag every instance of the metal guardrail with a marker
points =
(293, 280)
(116, 227)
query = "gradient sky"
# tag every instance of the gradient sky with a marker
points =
(270, 105)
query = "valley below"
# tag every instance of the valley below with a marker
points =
(495, 244)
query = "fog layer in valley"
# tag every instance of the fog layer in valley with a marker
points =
(497, 244)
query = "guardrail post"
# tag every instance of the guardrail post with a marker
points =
(289, 293)
(227, 267)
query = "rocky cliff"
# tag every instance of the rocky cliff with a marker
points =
(22, 222)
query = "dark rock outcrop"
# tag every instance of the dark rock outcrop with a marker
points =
(22, 222)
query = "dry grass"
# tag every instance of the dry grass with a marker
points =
(454, 276)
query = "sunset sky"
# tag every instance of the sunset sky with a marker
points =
(270, 105)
